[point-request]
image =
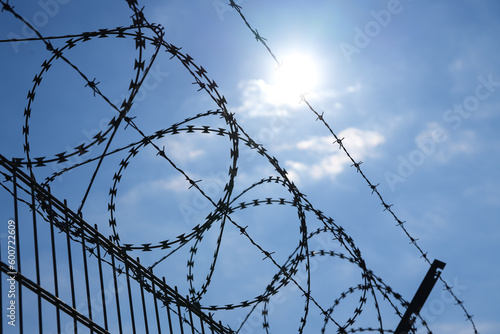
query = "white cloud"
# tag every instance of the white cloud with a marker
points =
(463, 145)
(442, 144)
(183, 150)
(456, 66)
(432, 130)
(152, 188)
(260, 98)
(464, 328)
(487, 192)
(324, 159)
(353, 88)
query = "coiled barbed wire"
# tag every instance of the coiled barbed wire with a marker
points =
(222, 209)
(387, 207)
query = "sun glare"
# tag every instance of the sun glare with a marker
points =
(297, 75)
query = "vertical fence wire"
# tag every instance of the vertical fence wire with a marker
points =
(144, 311)
(101, 283)
(167, 306)
(181, 325)
(54, 262)
(117, 297)
(70, 267)
(37, 259)
(86, 271)
(155, 301)
(130, 301)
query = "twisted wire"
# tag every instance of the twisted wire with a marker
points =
(356, 164)
(142, 32)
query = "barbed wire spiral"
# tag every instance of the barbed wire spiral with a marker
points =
(372, 293)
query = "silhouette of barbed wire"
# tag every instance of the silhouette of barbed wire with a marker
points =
(387, 207)
(222, 209)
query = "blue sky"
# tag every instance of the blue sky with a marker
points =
(412, 86)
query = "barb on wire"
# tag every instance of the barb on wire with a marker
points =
(343, 147)
(293, 269)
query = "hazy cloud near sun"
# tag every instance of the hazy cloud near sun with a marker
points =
(316, 157)
(257, 100)
(262, 99)
(322, 158)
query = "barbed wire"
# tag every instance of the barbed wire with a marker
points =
(52, 211)
(223, 208)
(356, 164)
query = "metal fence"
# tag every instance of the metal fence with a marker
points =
(60, 275)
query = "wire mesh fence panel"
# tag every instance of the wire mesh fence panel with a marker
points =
(236, 240)
(60, 275)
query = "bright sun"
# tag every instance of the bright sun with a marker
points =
(297, 75)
